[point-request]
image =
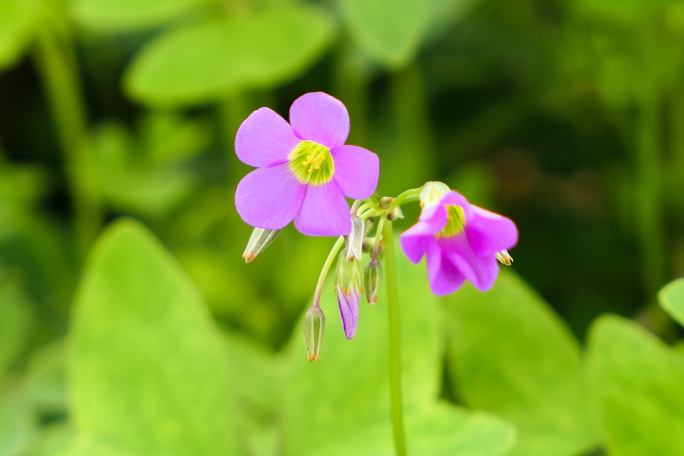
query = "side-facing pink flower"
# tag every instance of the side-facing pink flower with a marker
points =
(304, 169)
(460, 241)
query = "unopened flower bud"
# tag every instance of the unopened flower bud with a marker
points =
(355, 239)
(396, 214)
(504, 257)
(258, 241)
(349, 286)
(314, 324)
(369, 225)
(385, 202)
(369, 243)
(349, 275)
(432, 192)
(372, 279)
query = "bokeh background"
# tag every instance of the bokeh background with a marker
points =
(566, 116)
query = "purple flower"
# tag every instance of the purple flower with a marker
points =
(304, 169)
(460, 241)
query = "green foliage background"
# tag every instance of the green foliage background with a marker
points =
(130, 326)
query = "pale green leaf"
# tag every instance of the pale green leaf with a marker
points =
(17, 25)
(258, 374)
(127, 15)
(510, 354)
(436, 431)
(147, 368)
(206, 62)
(391, 30)
(672, 299)
(46, 379)
(17, 423)
(638, 382)
(349, 388)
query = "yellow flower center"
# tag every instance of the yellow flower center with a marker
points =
(455, 221)
(312, 163)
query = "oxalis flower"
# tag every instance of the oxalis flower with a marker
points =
(461, 242)
(304, 169)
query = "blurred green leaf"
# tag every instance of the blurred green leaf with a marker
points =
(15, 321)
(513, 356)
(347, 390)
(17, 424)
(147, 369)
(391, 30)
(17, 24)
(672, 299)
(258, 380)
(622, 11)
(127, 15)
(437, 431)
(38, 251)
(206, 62)
(170, 138)
(257, 374)
(638, 382)
(134, 181)
(46, 379)
(21, 187)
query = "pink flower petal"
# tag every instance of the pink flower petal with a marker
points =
(264, 139)
(324, 212)
(489, 233)
(414, 240)
(269, 197)
(480, 271)
(444, 277)
(452, 199)
(356, 171)
(320, 118)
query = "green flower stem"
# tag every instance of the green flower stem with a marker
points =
(406, 197)
(55, 60)
(370, 213)
(368, 204)
(378, 232)
(356, 206)
(649, 180)
(394, 339)
(324, 272)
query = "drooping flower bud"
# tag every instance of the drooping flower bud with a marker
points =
(396, 214)
(369, 225)
(504, 257)
(349, 286)
(355, 239)
(372, 279)
(432, 192)
(258, 241)
(369, 244)
(314, 325)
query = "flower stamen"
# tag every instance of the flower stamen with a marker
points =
(309, 165)
(455, 221)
